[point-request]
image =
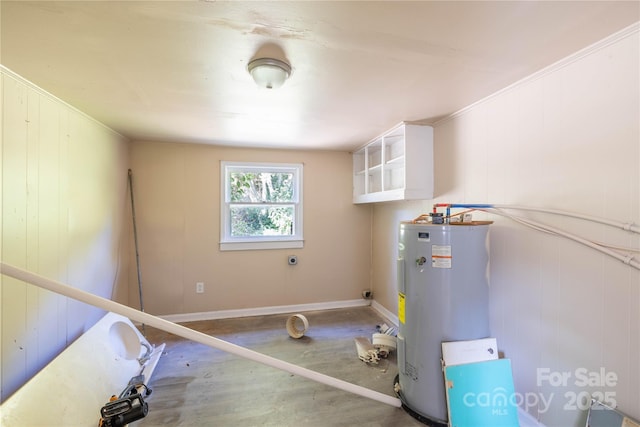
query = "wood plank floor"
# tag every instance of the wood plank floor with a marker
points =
(195, 385)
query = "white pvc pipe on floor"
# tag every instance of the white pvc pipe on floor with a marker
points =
(190, 334)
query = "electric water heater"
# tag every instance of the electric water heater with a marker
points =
(443, 295)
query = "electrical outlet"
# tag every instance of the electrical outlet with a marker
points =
(200, 287)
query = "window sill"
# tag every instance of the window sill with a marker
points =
(248, 246)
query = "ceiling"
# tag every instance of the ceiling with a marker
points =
(177, 70)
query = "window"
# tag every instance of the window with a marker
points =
(261, 206)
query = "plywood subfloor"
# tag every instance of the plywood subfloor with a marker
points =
(195, 385)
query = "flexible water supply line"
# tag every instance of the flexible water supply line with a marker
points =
(448, 206)
(173, 328)
(143, 359)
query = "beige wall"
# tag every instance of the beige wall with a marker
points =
(567, 139)
(177, 190)
(63, 203)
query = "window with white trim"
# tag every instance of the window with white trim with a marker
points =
(261, 206)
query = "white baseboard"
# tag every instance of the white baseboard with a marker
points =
(388, 315)
(262, 311)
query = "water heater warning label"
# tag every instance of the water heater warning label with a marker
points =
(440, 256)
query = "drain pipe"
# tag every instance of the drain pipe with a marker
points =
(190, 334)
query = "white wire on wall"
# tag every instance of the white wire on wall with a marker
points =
(613, 251)
(622, 225)
(625, 258)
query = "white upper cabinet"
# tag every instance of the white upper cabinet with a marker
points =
(397, 165)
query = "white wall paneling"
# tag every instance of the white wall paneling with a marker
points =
(63, 188)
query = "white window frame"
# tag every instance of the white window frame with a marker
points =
(230, 243)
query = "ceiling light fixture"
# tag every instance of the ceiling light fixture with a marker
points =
(268, 72)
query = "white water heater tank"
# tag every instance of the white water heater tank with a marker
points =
(443, 295)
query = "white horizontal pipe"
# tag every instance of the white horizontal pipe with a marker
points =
(629, 260)
(190, 334)
(618, 224)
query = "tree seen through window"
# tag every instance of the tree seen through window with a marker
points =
(261, 203)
